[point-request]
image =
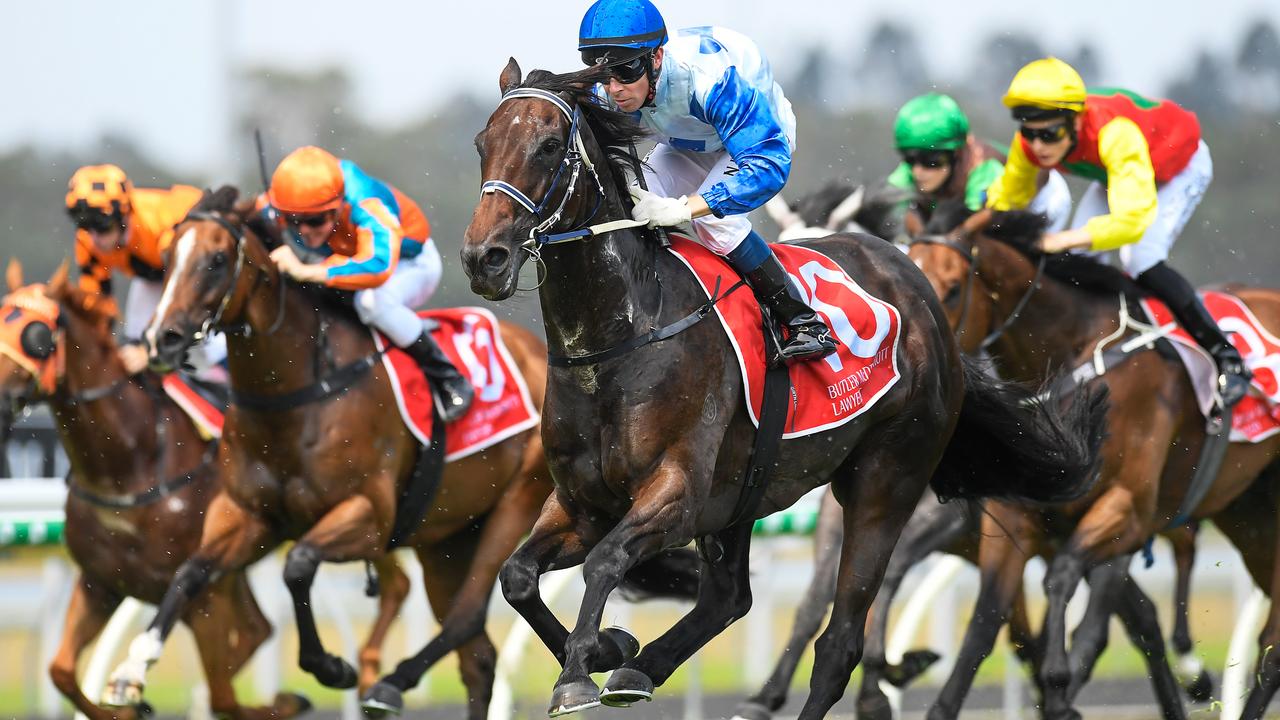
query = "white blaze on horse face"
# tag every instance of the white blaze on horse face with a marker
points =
(181, 256)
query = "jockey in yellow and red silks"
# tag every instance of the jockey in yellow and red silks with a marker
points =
(375, 241)
(1149, 168)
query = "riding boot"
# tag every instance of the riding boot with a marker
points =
(452, 391)
(1177, 293)
(808, 336)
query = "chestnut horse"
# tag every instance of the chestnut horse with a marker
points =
(325, 466)
(648, 447)
(1044, 321)
(140, 480)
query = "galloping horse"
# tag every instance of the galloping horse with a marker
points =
(140, 477)
(648, 446)
(1049, 312)
(315, 451)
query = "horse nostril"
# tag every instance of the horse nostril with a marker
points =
(495, 258)
(170, 340)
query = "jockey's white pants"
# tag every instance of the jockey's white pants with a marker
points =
(389, 307)
(1053, 201)
(1176, 200)
(671, 173)
(140, 306)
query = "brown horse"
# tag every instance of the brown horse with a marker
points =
(1045, 321)
(322, 457)
(648, 445)
(140, 477)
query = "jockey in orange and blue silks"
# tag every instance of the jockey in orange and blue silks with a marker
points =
(725, 135)
(1149, 168)
(373, 240)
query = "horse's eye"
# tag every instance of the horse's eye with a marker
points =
(953, 295)
(551, 146)
(218, 260)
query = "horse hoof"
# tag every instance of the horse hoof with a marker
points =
(289, 704)
(383, 699)
(122, 693)
(574, 697)
(914, 664)
(1200, 690)
(617, 647)
(332, 672)
(626, 687)
(874, 706)
(748, 710)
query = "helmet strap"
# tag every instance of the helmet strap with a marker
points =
(652, 72)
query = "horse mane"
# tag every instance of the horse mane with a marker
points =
(816, 207)
(1022, 229)
(947, 216)
(615, 131)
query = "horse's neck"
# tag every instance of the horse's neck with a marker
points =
(1057, 325)
(278, 352)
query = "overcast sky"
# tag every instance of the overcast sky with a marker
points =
(154, 70)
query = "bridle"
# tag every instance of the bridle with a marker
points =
(575, 160)
(214, 321)
(970, 255)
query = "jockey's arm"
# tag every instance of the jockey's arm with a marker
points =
(378, 238)
(751, 134)
(1016, 186)
(1131, 186)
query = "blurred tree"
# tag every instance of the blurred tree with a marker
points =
(295, 109)
(1000, 57)
(892, 68)
(810, 83)
(1258, 63)
(1086, 62)
(1207, 90)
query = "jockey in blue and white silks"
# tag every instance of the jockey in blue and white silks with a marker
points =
(725, 135)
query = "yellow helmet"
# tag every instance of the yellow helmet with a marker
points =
(1047, 84)
(103, 188)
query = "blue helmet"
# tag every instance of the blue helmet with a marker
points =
(610, 25)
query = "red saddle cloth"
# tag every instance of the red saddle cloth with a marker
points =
(1257, 416)
(207, 416)
(826, 393)
(502, 406)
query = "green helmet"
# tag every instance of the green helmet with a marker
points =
(930, 122)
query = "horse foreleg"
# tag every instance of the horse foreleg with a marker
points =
(1139, 616)
(87, 612)
(350, 531)
(809, 616)
(232, 538)
(932, 527)
(1008, 536)
(724, 596)
(393, 588)
(1106, 583)
(1192, 674)
(1267, 674)
(229, 626)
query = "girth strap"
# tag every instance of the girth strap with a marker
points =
(764, 452)
(337, 383)
(146, 497)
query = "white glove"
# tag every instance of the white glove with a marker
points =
(657, 211)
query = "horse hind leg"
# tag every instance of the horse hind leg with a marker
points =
(393, 588)
(1192, 673)
(809, 616)
(347, 532)
(87, 612)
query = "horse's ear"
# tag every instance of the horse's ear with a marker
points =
(13, 274)
(58, 282)
(510, 77)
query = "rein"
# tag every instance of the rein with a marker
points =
(214, 321)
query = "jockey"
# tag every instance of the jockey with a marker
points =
(375, 241)
(725, 134)
(942, 160)
(120, 227)
(1149, 169)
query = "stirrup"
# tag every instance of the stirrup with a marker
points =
(805, 344)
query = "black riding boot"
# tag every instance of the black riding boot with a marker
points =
(808, 337)
(1177, 293)
(452, 391)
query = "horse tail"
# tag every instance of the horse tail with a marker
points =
(1011, 443)
(669, 575)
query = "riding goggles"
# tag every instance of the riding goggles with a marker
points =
(311, 221)
(927, 158)
(1049, 135)
(93, 220)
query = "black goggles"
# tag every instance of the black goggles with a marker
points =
(94, 221)
(1048, 135)
(926, 158)
(631, 70)
(311, 221)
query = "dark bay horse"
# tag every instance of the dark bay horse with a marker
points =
(329, 471)
(140, 480)
(1052, 320)
(647, 448)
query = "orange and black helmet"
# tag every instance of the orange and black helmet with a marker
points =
(98, 191)
(309, 180)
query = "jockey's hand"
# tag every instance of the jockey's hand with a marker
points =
(289, 264)
(658, 211)
(1066, 240)
(134, 358)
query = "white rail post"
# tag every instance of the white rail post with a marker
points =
(502, 706)
(913, 614)
(120, 628)
(1235, 677)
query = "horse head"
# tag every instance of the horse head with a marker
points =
(212, 268)
(543, 171)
